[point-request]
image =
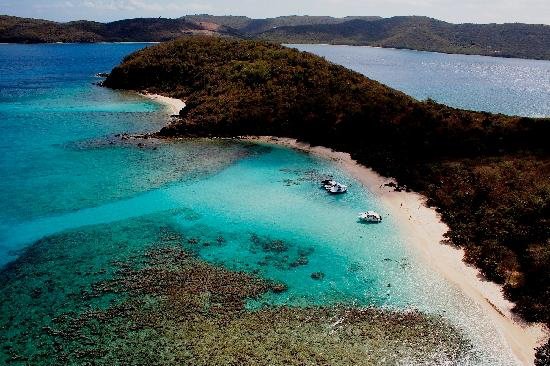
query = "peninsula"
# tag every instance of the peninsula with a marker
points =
(486, 174)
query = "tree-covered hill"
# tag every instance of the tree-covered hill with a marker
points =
(22, 30)
(419, 33)
(251, 27)
(425, 34)
(488, 175)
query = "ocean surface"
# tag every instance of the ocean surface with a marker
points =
(498, 85)
(74, 198)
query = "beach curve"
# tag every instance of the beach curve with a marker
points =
(173, 105)
(426, 231)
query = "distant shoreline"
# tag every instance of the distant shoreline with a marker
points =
(415, 50)
(297, 43)
(507, 40)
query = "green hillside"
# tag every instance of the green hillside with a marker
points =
(250, 27)
(22, 30)
(426, 34)
(419, 33)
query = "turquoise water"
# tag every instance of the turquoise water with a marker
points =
(72, 195)
(498, 85)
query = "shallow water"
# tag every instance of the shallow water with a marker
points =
(491, 84)
(82, 200)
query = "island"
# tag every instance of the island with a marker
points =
(486, 174)
(531, 41)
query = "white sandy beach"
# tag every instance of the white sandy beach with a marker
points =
(425, 231)
(174, 105)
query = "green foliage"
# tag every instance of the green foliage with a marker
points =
(22, 30)
(250, 27)
(487, 174)
(251, 73)
(419, 33)
(425, 34)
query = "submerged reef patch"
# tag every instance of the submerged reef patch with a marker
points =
(195, 313)
(131, 293)
(279, 253)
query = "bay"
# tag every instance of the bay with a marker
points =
(74, 199)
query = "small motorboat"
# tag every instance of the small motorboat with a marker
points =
(370, 216)
(333, 187)
(327, 183)
(337, 188)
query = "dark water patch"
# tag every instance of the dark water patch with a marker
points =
(279, 253)
(268, 245)
(300, 261)
(55, 276)
(145, 141)
(99, 171)
(289, 258)
(355, 267)
(291, 182)
(300, 175)
(318, 276)
(305, 251)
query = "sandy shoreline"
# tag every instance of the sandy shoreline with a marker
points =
(174, 105)
(425, 231)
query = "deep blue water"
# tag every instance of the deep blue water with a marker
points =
(492, 84)
(64, 175)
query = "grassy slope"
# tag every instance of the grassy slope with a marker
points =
(487, 174)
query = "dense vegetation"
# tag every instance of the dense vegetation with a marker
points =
(250, 27)
(22, 30)
(488, 175)
(419, 33)
(426, 34)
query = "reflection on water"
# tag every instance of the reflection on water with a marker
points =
(491, 84)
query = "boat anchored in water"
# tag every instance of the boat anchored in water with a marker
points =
(370, 216)
(333, 187)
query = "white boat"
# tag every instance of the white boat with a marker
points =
(328, 183)
(370, 216)
(337, 188)
(332, 186)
